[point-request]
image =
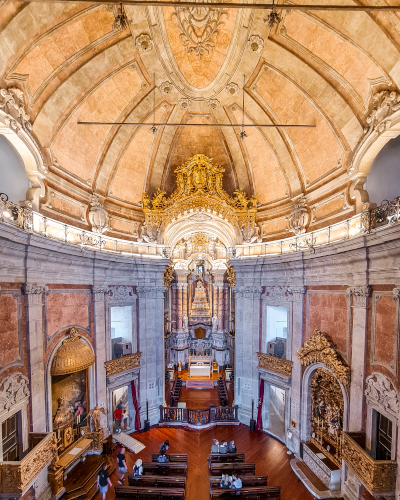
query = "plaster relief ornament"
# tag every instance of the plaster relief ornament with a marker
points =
(255, 44)
(184, 103)
(380, 391)
(214, 103)
(98, 216)
(12, 102)
(199, 27)
(13, 389)
(299, 217)
(144, 43)
(95, 415)
(148, 233)
(384, 104)
(166, 87)
(232, 89)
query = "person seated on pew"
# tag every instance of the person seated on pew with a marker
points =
(162, 457)
(223, 447)
(137, 468)
(225, 485)
(236, 483)
(231, 447)
(215, 446)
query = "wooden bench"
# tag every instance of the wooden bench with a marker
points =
(247, 480)
(238, 468)
(256, 493)
(145, 493)
(173, 457)
(225, 458)
(157, 481)
(167, 469)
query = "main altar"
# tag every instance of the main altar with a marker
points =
(199, 366)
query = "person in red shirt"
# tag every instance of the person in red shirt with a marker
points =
(117, 420)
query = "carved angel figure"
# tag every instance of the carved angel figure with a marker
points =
(158, 198)
(95, 415)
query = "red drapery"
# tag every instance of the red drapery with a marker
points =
(259, 425)
(136, 406)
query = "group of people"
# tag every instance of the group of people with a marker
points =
(230, 482)
(224, 447)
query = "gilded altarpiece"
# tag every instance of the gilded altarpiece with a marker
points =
(327, 408)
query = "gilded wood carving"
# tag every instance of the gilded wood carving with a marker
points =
(277, 365)
(122, 364)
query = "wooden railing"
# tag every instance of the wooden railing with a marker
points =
(16, 476)
(122, 364)
(274, 364)
(211, 415)
(378, 476)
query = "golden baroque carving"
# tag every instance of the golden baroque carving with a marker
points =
(122, 364)
(72, 356)
(231, 275)
(378, 476)
(274, 364)
(15, 477)
(199, 188)
(168, 275)
(320, 348)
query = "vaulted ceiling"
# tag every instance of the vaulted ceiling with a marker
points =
(79, 62)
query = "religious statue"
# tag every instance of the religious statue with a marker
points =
(215, 323)
(185, 323)
(95, 414)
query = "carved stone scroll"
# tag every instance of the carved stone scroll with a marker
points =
(320, 348)
(381, 391)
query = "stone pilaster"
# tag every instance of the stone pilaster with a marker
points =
(34, 321)
(180, 306)
(358, 296)
(220, 308)
(100, 351)
(247, 345)
(151, 345)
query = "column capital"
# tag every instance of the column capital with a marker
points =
(396, 293)
(98, 292)
(297, 292)
(34, 293)
(360, 295)
(248, 292)
(152, 292)
(181, 286)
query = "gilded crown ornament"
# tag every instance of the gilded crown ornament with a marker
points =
(199, 188)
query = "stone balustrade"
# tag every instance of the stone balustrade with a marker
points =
(15, 477)
(378, 476)
(122, 364)
(274, 364)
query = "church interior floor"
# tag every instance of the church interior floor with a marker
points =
(184, 375)
(266, 452)
(199, 399)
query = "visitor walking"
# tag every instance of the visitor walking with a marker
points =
(117, 420)
(122, 468)
(103, 481)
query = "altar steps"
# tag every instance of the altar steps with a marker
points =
(81, 483)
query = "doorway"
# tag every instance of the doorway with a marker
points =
(384, 434)
(275, 411)
(9, 429)
(120, 402)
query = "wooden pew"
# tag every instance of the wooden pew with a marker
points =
(173, 457)
(167, 469)
(255, 493)
(247, 481)
(225, 458)
(238, 468)
(145, 493)
(157, 481)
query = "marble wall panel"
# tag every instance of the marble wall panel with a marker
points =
(64, 309)
(9, 330)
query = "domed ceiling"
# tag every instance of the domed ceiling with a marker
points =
(82, 62)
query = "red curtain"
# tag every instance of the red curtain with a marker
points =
(259, 425)
(136, 406)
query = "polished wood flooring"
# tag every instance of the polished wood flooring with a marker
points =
(268, 454)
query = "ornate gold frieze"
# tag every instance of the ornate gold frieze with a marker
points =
(168, 275)
(15, 477)
(378, 476)
(274, 364)
(199, 188)
(320, 348)
(231, 275)
(122, 364)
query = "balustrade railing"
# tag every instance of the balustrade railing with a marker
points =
(211, 415)
(388, 213)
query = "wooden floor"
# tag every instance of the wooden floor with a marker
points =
(184, 375)
(268, 454)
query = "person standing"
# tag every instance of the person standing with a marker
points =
(117, 420)
(122, 468)
(103, 481)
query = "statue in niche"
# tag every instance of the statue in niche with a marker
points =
(214, 323)
(185, 322)
(95, 415)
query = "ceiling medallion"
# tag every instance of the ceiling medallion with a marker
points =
(143, 43)
(199, 28)
(255, 44)
(184, 103)
(232, 89)
(213, 103)
(166, 88)
(199, 188)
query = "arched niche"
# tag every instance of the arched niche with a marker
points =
(32, 159)
(91, 379)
